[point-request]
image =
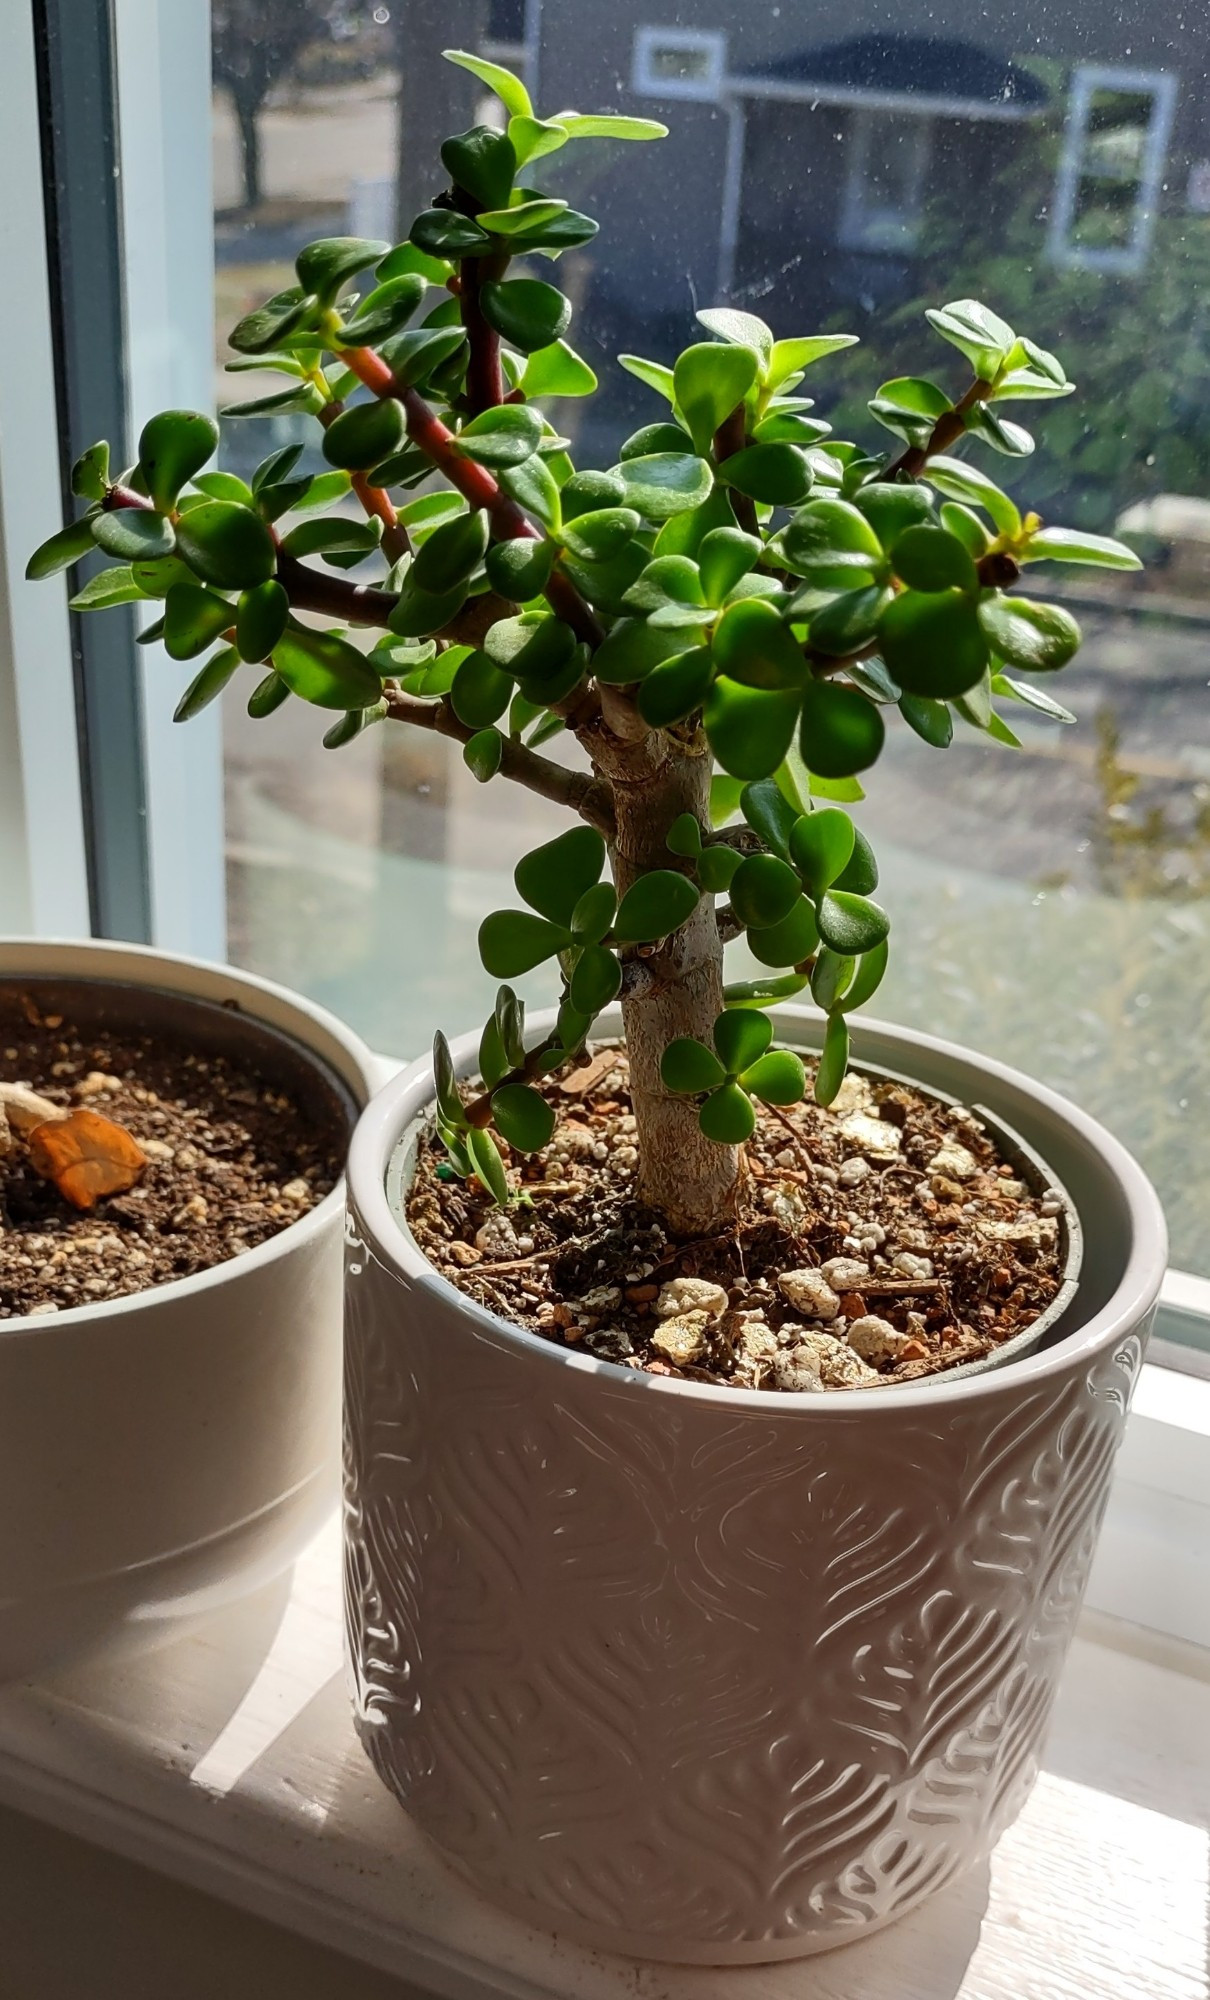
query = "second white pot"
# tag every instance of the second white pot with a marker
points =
(163, 1454)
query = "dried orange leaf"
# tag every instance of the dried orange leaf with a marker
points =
(86, 1156)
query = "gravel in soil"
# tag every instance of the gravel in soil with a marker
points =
(231, 1162)
(878, 1241)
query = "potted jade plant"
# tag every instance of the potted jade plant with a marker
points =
(727, 1429)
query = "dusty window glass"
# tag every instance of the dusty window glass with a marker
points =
(1051, 903)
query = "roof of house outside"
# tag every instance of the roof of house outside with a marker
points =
(924, 65)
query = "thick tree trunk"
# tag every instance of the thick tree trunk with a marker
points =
(689, 1178)
(248, 119)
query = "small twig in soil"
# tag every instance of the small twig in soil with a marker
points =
(800, 1146)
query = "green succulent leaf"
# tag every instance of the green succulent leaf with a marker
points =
(172, 448)
(207, 685)
(750, 729)
(727, 1116)
(90, 473)
(849, 622)
(716, 869)
(267, 696)
(758, 992)
(527, 312)
(557, 370)
(594, 913)
(534, 648)
(596, 979)
(508, 88)
(665, 483)
(770, 814)
(751, 645)
(483, 162)
(790, 942)
(505, 435)
(960, 481)
(606, 125)
(910, 406)
(512, 942)
(842, 732)
(552, 878)
(133, 534)
(930, 719)
(654, 374)
(764, 890)
(283, 314)
(419, 613)
(654, 906)
(1072, 545)
(778, 475)
(325, 670)
(330, 535)
(740, 1037)
(533, 485)
(1032, 697)
(891, 510)
(709, 381)
(519, 569)
(776, 1078)
(108, 587)
(834, 1060)
(930, 559)
(675, 688)
(851, 924)
(867, 978)
(724, 557)
(323, 267)
(934, 642)
(452, 553)
(523, 1116)
(384, 312)
(984, 422)
(365, 435)
(480, 692)
(304, 400)
(984, 338)
(62, 549)
(602, 534)
(821, 847)
(489, 1167)
(193, 619)
(741, 329)
(832, 545)
(483, 753)
(831, 977)
(791, 357)
(1039, 638)
(688, 1067)
(443, 232)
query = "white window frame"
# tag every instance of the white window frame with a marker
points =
(44, 871)
(708, 42)
(1087, 80)
(857, 210)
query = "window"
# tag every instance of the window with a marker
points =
(884, 187)
(1114, 149)
(679, 62)
(1052, 904)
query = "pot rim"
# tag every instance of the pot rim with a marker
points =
(116, 955)
(407, 1096)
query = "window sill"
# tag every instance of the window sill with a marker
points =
(229, 1762)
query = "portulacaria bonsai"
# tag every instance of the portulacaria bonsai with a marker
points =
(722, 620)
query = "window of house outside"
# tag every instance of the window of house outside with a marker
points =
(1051, 903)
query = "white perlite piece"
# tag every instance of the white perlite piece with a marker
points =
(797, 1372)
(845, 1274)
(837, 1365)
(683, 1340)
(810, 1293)
(1023, 1229)
(690, 1295)
(911, 1266)
(954, 1161)
(854, 1171)
(876, 1340)
(875, 1136)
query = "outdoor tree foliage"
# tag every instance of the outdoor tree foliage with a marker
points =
(726, 619)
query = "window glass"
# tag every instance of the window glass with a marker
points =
(1051, 903)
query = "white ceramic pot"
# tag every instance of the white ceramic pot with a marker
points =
(707, 1675)
(163, 1454)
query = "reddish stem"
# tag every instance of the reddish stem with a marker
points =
(484, 380)
(473, 481)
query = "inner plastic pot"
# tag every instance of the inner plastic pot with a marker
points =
(1031, 1167)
